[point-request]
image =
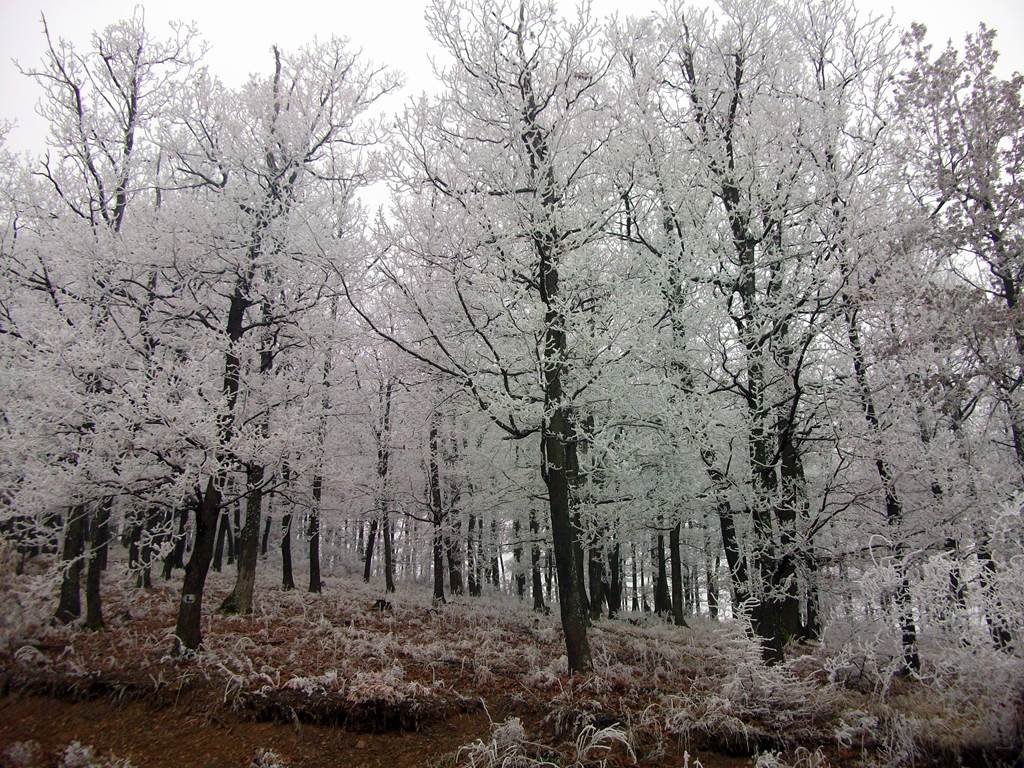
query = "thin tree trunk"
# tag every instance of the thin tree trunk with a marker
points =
(678, 617)
(711, 575)
(389, 564)
(893, 504)
(437, 511)
(644, 605)
(536, 584)
(222, 536)
(315, 581)
(517, 555)
(636, 584)
(995, 615)
(287, 580)
(472, 570)
(662, 600)
(371, 538)
(266, 532)
(614, 596)
(69, 606)
(595, 572)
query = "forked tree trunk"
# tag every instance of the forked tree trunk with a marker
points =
(93, 598)
(240, 599)
(188, 633)
(69, 606)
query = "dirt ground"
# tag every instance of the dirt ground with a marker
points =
(172, 737)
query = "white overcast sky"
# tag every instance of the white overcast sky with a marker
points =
(240, 34)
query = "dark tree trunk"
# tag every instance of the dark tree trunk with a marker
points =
(371, 538)
(453, 535)
(495, 567)
(134, 534)
(69, 606)
(176, 557)
(644, 605)
(995, 614)
(517, 555)
(454, 560)
(549, 577)
(287, 580)
(438, 564)
(389, 563)
(146, 539)
(662, 600)
(614, 596)
(678, 617)
(558, 441)
(236, 529)
(635, 607)
(315, 581)
(711, 575)
(537, 587)
(383, 433)
(240, 599)
(188, 632)
(437, 512)
(893, 504)
(453, 538)
(100, 533)
(559, 454)
(105, 538)
(812, 624)
(222, 536)
(473, 564)
(957, 588)
(595, 572)
(264, 543)
(733, 559)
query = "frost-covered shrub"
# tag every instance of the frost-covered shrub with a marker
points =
(547, 677)
(386, 686)
(506, 748)
(76, 755)
(22, 754)
(314, 686)
(576, 706)
(267, 758)
(856, 729)
(699, 714)
(26, 602)
(802, 758)
(594, 745)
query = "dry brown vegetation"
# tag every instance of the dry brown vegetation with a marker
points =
(660, 695)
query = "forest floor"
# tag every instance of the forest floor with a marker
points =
(330, 679)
